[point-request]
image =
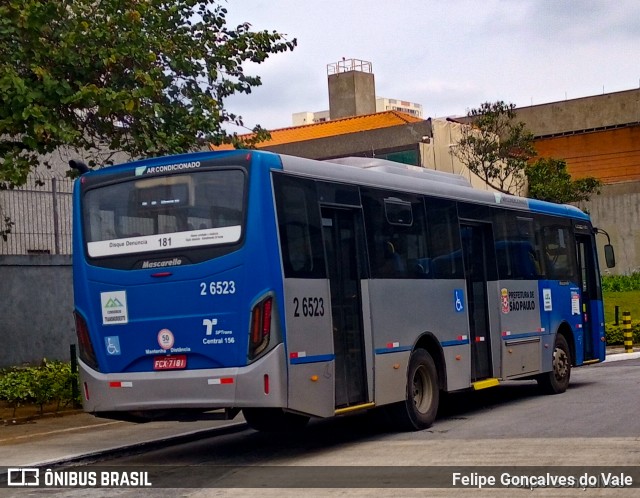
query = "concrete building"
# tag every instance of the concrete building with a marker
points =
(387, 104)
(598, 136)
(352, 88)
(307, 117)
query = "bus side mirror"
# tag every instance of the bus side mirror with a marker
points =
(609, 256)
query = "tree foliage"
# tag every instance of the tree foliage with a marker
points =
(496, 147)
(144, 77)
(549, 181)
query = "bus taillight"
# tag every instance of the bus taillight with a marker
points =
(260, 327)
(85, 348)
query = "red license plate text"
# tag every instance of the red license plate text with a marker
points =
(176, 362)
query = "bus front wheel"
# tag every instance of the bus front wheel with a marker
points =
(273, 419)
(557, 381)
(418, 411)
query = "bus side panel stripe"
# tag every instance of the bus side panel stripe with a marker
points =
(393, 350)
(508, 335)
(311, 359)
(462, 342)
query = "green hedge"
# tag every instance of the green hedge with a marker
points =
(51, 382)
(621, 283)
(615, 333)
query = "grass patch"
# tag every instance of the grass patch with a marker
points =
(626, 300)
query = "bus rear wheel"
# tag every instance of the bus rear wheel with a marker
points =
(273, 419)
(418, 410)
(557, 381)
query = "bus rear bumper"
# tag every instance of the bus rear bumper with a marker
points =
(185, 393)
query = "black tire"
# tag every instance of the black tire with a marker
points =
(557, 381)
(273, 420)
(418, 410)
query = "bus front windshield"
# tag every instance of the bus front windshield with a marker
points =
(177, 211)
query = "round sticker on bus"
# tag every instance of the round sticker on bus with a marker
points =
(165, 339)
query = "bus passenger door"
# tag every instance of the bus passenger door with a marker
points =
(590, 293)
(476, 240)
(344, 249)
(309, 331)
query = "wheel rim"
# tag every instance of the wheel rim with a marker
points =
(560, 363)
(422, 396)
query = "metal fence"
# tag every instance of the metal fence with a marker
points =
(40, 213)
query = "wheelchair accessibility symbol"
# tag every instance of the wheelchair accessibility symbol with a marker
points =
(458, 300)
(112, 343)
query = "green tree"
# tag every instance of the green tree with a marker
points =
(549, 180)
(144, 77)
(496, 147)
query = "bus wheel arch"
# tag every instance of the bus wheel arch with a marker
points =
(419, 408)
(557, 380)
(431, 345)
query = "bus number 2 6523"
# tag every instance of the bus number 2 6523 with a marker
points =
(308, 306)
(217, 288)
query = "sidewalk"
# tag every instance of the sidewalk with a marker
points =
(617, 353)
(79, 436)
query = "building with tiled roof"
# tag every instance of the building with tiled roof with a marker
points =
(386, 135)
(338, 127)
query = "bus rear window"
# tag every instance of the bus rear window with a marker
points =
(162, 213)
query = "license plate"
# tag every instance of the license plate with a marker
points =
(170, 362)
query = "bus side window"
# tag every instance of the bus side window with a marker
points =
(396, 235)
(558, 253)
(298, 247)
(394, 263)
(517, 250)
(299, 227)
(444, 239)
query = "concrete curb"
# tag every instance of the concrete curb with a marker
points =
(621, 356)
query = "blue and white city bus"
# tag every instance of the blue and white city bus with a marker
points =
(289, 288)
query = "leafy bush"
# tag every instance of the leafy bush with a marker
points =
(15, 388)
(52, 382)
(615, 333)
(621, 283)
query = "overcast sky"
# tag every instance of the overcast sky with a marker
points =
(448, 55)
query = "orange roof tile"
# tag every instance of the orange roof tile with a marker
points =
(332, 128)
